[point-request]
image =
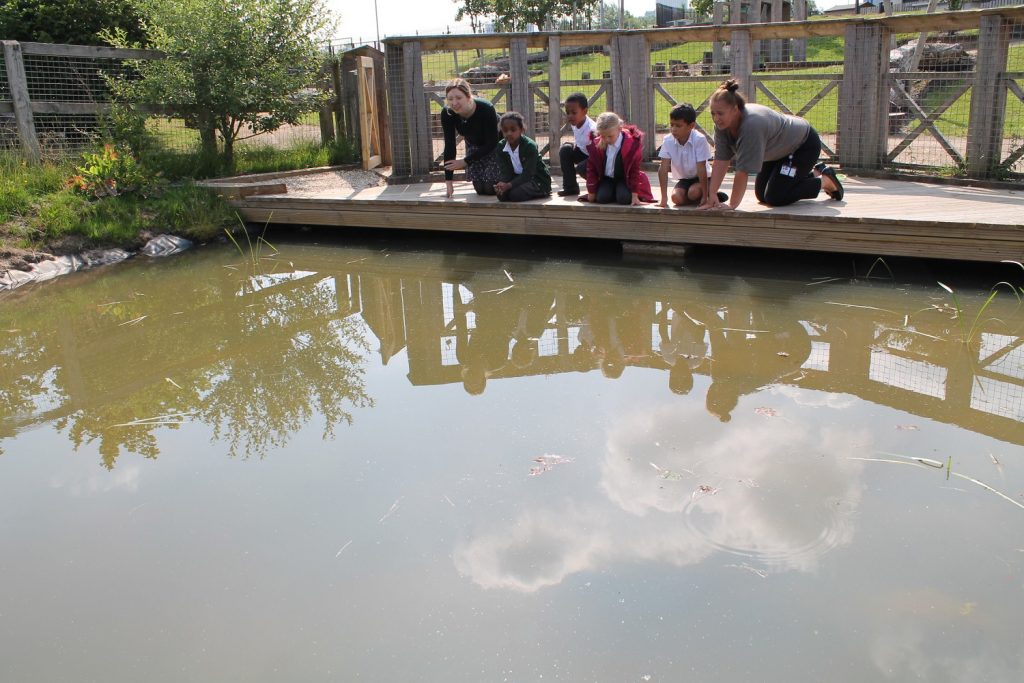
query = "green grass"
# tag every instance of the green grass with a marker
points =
(21, 184)
(251, 158)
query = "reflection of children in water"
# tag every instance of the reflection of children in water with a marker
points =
(681, 346)
(751, 349)
(614, 332)
(503, 313)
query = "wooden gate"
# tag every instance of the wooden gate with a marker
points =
(369, 125)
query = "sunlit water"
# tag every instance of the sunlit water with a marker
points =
(367, 463)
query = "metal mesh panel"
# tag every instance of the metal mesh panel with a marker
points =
(812, 94)
(62, 133)
(1012, 161)
(928, 120)
(684, 73)
(73, 79)
(584, 69)
(5, 88)
(400, 155)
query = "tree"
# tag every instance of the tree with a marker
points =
(475, 10)
(703, 7)
(77, 22)
(241, 66)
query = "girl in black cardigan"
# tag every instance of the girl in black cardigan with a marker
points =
(475, 119)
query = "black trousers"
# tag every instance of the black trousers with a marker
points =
(522, 193)
(613, 191)
(777, 189)
(482, 187)
(573, 162)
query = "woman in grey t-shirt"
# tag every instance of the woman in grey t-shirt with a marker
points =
(782, 150)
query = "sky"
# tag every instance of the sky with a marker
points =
(426, 17)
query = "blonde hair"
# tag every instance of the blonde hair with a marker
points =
(605, 122)
(459, 84)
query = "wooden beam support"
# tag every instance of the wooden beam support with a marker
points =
(864, 97)
(554, 98)
(521, 99)
(988, 98)
(741, 57)
(718, 47)
(20, 100)
(799, 45)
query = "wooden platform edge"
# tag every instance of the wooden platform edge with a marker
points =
(758, 230)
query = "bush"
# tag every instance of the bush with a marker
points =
(111, 172)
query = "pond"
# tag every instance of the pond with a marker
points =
(363, 460)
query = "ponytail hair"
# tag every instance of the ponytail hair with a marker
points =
(728, 92)
(606, 121)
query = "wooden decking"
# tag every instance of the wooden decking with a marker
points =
(877, 217)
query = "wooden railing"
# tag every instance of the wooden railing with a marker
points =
(863, 135)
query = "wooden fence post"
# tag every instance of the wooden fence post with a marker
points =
(520, 97)
(618, 53)
(401, 155)
(641, 92)
(18, 85)
(554, 97)
(418, 125)
(799, 45)
(988, 98)
(717, 47)
(864, 98)
(741, 57)
(775, 47)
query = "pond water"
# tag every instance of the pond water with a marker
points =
(368, 463)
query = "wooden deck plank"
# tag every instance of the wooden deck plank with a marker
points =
(883, 217)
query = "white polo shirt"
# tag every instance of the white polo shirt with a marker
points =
(513, 155)
(610, 152)
(582, 134)
(685, 157)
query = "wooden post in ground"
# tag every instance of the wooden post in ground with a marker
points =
(520, 97)
(641, 93)
(401, 155)
(864, 97)
(554, 97)
(18, 85)
(775, 48)
(988, 98)
(799, 45)
(717, 47)
(741, 58)
(618, 52)
(417, 122)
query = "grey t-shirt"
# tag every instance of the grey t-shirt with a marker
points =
(765, 135)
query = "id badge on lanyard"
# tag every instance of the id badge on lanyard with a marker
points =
(788, 169)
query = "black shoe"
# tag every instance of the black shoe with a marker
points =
(568, 193)
(830, 173)
(723, 197)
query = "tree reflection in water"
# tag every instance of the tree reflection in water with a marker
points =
(256, 356)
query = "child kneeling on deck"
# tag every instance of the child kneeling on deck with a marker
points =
(614, 173)
(524, 174)
(686, 152)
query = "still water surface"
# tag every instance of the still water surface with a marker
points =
(364, 463)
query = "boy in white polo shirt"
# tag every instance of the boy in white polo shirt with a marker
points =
(572, 156)
(686, 152)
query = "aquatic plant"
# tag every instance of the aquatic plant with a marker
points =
(968, 333)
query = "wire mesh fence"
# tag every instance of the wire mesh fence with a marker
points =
(1012, 157)
(69, 90)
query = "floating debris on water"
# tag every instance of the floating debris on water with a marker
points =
(908, 428)
(547, 462)
(669, 475)
(340, 551)
(704, 490)
(391, 511)
(753, 570)
(766, 412)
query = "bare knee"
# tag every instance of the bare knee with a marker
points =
(678, 197)
(694, 193)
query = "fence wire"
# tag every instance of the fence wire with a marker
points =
(1012, 160)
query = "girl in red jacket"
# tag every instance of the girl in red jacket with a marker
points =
(614, 174)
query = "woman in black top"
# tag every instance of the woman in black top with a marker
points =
(475, 119)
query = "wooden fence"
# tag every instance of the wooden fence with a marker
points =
(966, 122)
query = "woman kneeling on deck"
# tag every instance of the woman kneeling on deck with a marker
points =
(524, 174)
(614, 174)
(782, 150)
(475, 119)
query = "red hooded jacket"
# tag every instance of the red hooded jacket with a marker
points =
(632, 157)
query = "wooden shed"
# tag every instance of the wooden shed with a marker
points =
(361, 113)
